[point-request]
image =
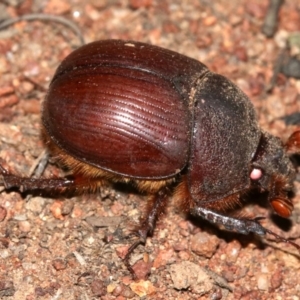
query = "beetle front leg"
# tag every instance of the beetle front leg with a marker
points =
(156, 207)
(243, 226)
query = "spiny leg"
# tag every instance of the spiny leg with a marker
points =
(60, 184)
(243, 226)
(147, 226)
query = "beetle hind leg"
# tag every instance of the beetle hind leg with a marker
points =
(76, 183)
(23, 184)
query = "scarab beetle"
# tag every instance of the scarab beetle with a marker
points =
(128, 111)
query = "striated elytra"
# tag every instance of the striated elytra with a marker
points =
(128, 111)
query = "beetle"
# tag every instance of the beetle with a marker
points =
(126, 111)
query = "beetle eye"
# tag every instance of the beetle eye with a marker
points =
(256, 174)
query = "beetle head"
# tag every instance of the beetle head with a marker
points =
(273, 170)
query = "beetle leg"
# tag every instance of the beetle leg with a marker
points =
(23, 184)
(243, 226)
(147, 226)
(59, 184)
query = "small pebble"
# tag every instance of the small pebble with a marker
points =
(36, 204)
(263, 282)
(143, 288)
(98, 288)
(163, 258)
(204, 244)
(56, 208)
(276, 279)
(59, 264)
(232, 251)
(24, 226)
(142, 269)
(187, 275)
(67, 207)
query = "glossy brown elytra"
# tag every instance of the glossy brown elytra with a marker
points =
(125, 111)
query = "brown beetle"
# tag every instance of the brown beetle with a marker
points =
(131, 112)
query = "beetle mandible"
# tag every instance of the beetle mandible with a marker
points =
(126, 111)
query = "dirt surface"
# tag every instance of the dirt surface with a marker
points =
(72, 248)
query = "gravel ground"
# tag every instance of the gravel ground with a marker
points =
(72, 247)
